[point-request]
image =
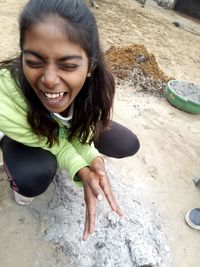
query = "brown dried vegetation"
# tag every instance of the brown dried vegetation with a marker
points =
(134, 63)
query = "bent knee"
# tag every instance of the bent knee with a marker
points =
(129, 147)
(32, 181)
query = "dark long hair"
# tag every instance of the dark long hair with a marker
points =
(93, 104)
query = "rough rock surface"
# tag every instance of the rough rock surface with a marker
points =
(135, 240)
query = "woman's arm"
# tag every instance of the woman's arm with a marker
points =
(88, 152)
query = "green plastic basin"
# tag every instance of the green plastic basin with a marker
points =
(181, 102)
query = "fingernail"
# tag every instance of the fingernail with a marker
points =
(99, 197)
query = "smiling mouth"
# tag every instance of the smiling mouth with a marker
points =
(55, 98)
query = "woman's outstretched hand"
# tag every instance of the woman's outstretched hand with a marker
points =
(96, 184)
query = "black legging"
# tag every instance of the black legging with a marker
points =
(30, 170)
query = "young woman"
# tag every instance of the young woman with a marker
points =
(55, 105)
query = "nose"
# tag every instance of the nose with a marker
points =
(50, 77)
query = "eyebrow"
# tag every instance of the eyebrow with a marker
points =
(38, 55)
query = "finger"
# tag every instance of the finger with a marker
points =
(100, 172)
(111, 199)
(106, 188)
(96, 189)
(86, 228)
(90, 219)
(114, 205)
(92, 215)
(99, 168)
(118, 209)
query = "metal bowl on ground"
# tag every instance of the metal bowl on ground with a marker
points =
(184, 95)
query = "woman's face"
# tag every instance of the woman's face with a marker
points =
(55, 68)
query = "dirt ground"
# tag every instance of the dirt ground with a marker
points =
(169, 157)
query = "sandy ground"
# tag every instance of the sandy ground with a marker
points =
(169, 157)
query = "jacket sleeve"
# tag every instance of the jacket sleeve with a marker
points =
(88, 152)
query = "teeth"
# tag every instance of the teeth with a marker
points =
(53, 95)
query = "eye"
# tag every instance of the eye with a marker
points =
(34, 64)
(69, 67)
